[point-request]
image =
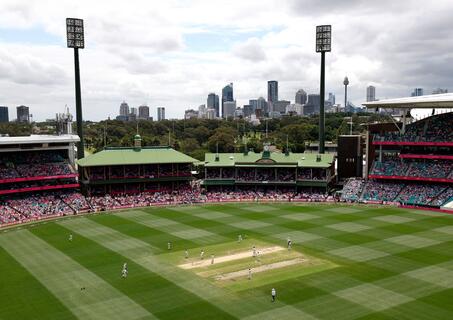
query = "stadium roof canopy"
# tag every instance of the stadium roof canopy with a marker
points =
(131, 156)
(36, 139)
(444, 100)
(251, 159)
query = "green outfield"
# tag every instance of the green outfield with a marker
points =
(346, 262)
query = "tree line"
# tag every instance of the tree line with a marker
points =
(196, 137)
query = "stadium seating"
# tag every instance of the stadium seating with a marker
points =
(433, 129)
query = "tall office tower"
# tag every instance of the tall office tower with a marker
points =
(160, 113)
(213, 103)
(134, 111)
(301, 97)
(229, 109)
(417, 92)
(312, 105)
(143, 112)
(331, 99)
(370, 93)
(253, 103)
(23, 114)
(272, 93)
(124, 109)
(263, 106)
(4, 117)
(227, 96)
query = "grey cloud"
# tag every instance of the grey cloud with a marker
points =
(24, 69)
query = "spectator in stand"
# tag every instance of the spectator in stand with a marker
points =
(352, 190)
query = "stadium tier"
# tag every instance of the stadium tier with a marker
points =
(410, 168)
(432, 131)
(135, 170)
(37, 163)
(268, 171)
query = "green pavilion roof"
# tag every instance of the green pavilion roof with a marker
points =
(308, 160)
(131, 156)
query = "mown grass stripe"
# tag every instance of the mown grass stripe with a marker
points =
(65, 278)
(29, 296)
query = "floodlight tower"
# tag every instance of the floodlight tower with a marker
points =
(323, 45)
(76, 40)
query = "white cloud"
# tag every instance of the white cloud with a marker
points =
(138, 51)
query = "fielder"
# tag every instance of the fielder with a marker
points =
(273, 294)
(169, 245)
(186, 253)
(70, 237)
(202, 254)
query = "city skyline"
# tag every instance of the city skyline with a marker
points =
(192, 52)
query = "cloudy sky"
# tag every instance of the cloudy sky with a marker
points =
(172, 53)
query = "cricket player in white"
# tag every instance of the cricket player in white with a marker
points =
(124, 273)
(169, 245)
(239, 238)
(202, 254)
(186, 254)
(125, 266)
(70, 237)
(250, 274)
(273, 293)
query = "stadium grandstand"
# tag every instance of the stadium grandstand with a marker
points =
(269, 171)
(34, 171)
(409, 163)
(133, 170)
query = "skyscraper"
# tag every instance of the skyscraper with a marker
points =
(370, 93)
(227, 96)
(124, 109)
(229, 109)
(417, 92)
(272, 93)
(134, 111)
(4, 117)
(301, 97)
(213, 103)
(23, 114)
(312, 105)
(160, 113)
(143, 112)
(331, 99)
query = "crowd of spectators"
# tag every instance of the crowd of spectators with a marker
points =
(36, 206)
(266, 174)
(419, 194)
(443, 197)
(390, 166)
(358, 190)
(352, 190)
(381, 191)
(33, 164)
(430, 169)
(75, 200)
(413, 168)
(433, 129)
